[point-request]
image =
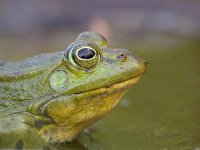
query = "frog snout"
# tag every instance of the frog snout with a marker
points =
(142, 65)
(131, 60)
(145, 63)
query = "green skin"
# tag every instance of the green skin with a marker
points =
(51, 98)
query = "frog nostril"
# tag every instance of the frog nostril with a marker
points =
(122, 57)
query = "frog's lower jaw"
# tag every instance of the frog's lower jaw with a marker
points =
(70, 117)
(81, 120)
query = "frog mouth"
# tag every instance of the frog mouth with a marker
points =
(39, 108)
(114, 87)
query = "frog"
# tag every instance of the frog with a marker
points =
(51, 98)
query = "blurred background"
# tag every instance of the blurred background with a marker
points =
(162, 111)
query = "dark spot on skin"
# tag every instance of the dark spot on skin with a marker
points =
(39, 124)
(46, 113)
(45, 133)
(28, 131)
(19, 144)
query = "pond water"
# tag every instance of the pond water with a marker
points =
(160, 112)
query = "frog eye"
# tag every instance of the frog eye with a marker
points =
(85, 55)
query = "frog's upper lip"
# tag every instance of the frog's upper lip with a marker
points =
(119, 85)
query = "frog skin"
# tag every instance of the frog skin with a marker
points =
(51, 98)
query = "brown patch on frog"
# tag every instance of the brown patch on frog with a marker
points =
(39, 124)
(19, 144)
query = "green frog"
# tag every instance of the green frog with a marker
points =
(52, 98)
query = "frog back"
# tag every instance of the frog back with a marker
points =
(14, 71)
(20, 81)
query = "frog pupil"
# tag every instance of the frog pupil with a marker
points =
(86, 53)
